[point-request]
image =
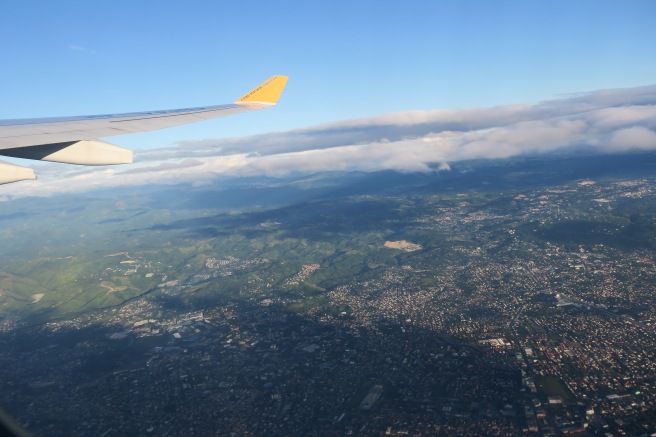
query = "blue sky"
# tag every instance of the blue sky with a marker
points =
(346, 59)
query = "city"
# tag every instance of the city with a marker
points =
(468, 313)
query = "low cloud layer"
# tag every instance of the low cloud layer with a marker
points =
(607, 121)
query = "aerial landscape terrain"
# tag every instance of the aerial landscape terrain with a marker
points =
(442, 225)
(506, 297)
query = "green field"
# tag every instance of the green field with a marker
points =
(553, 386)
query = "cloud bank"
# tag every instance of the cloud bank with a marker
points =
(606, 121)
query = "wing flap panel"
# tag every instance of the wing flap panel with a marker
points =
(13, 173)
(78, 152)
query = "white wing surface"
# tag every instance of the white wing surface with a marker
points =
(74, 139)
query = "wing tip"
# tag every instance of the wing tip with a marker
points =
(267, 92)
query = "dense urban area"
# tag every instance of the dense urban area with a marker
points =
(498, 312)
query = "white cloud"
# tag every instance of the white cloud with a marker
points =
(635, 137)
(610, 121)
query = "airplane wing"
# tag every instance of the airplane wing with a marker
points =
(74, 140)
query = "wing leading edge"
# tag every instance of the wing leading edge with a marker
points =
(74, 139)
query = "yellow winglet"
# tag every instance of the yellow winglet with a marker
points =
(267, 93)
